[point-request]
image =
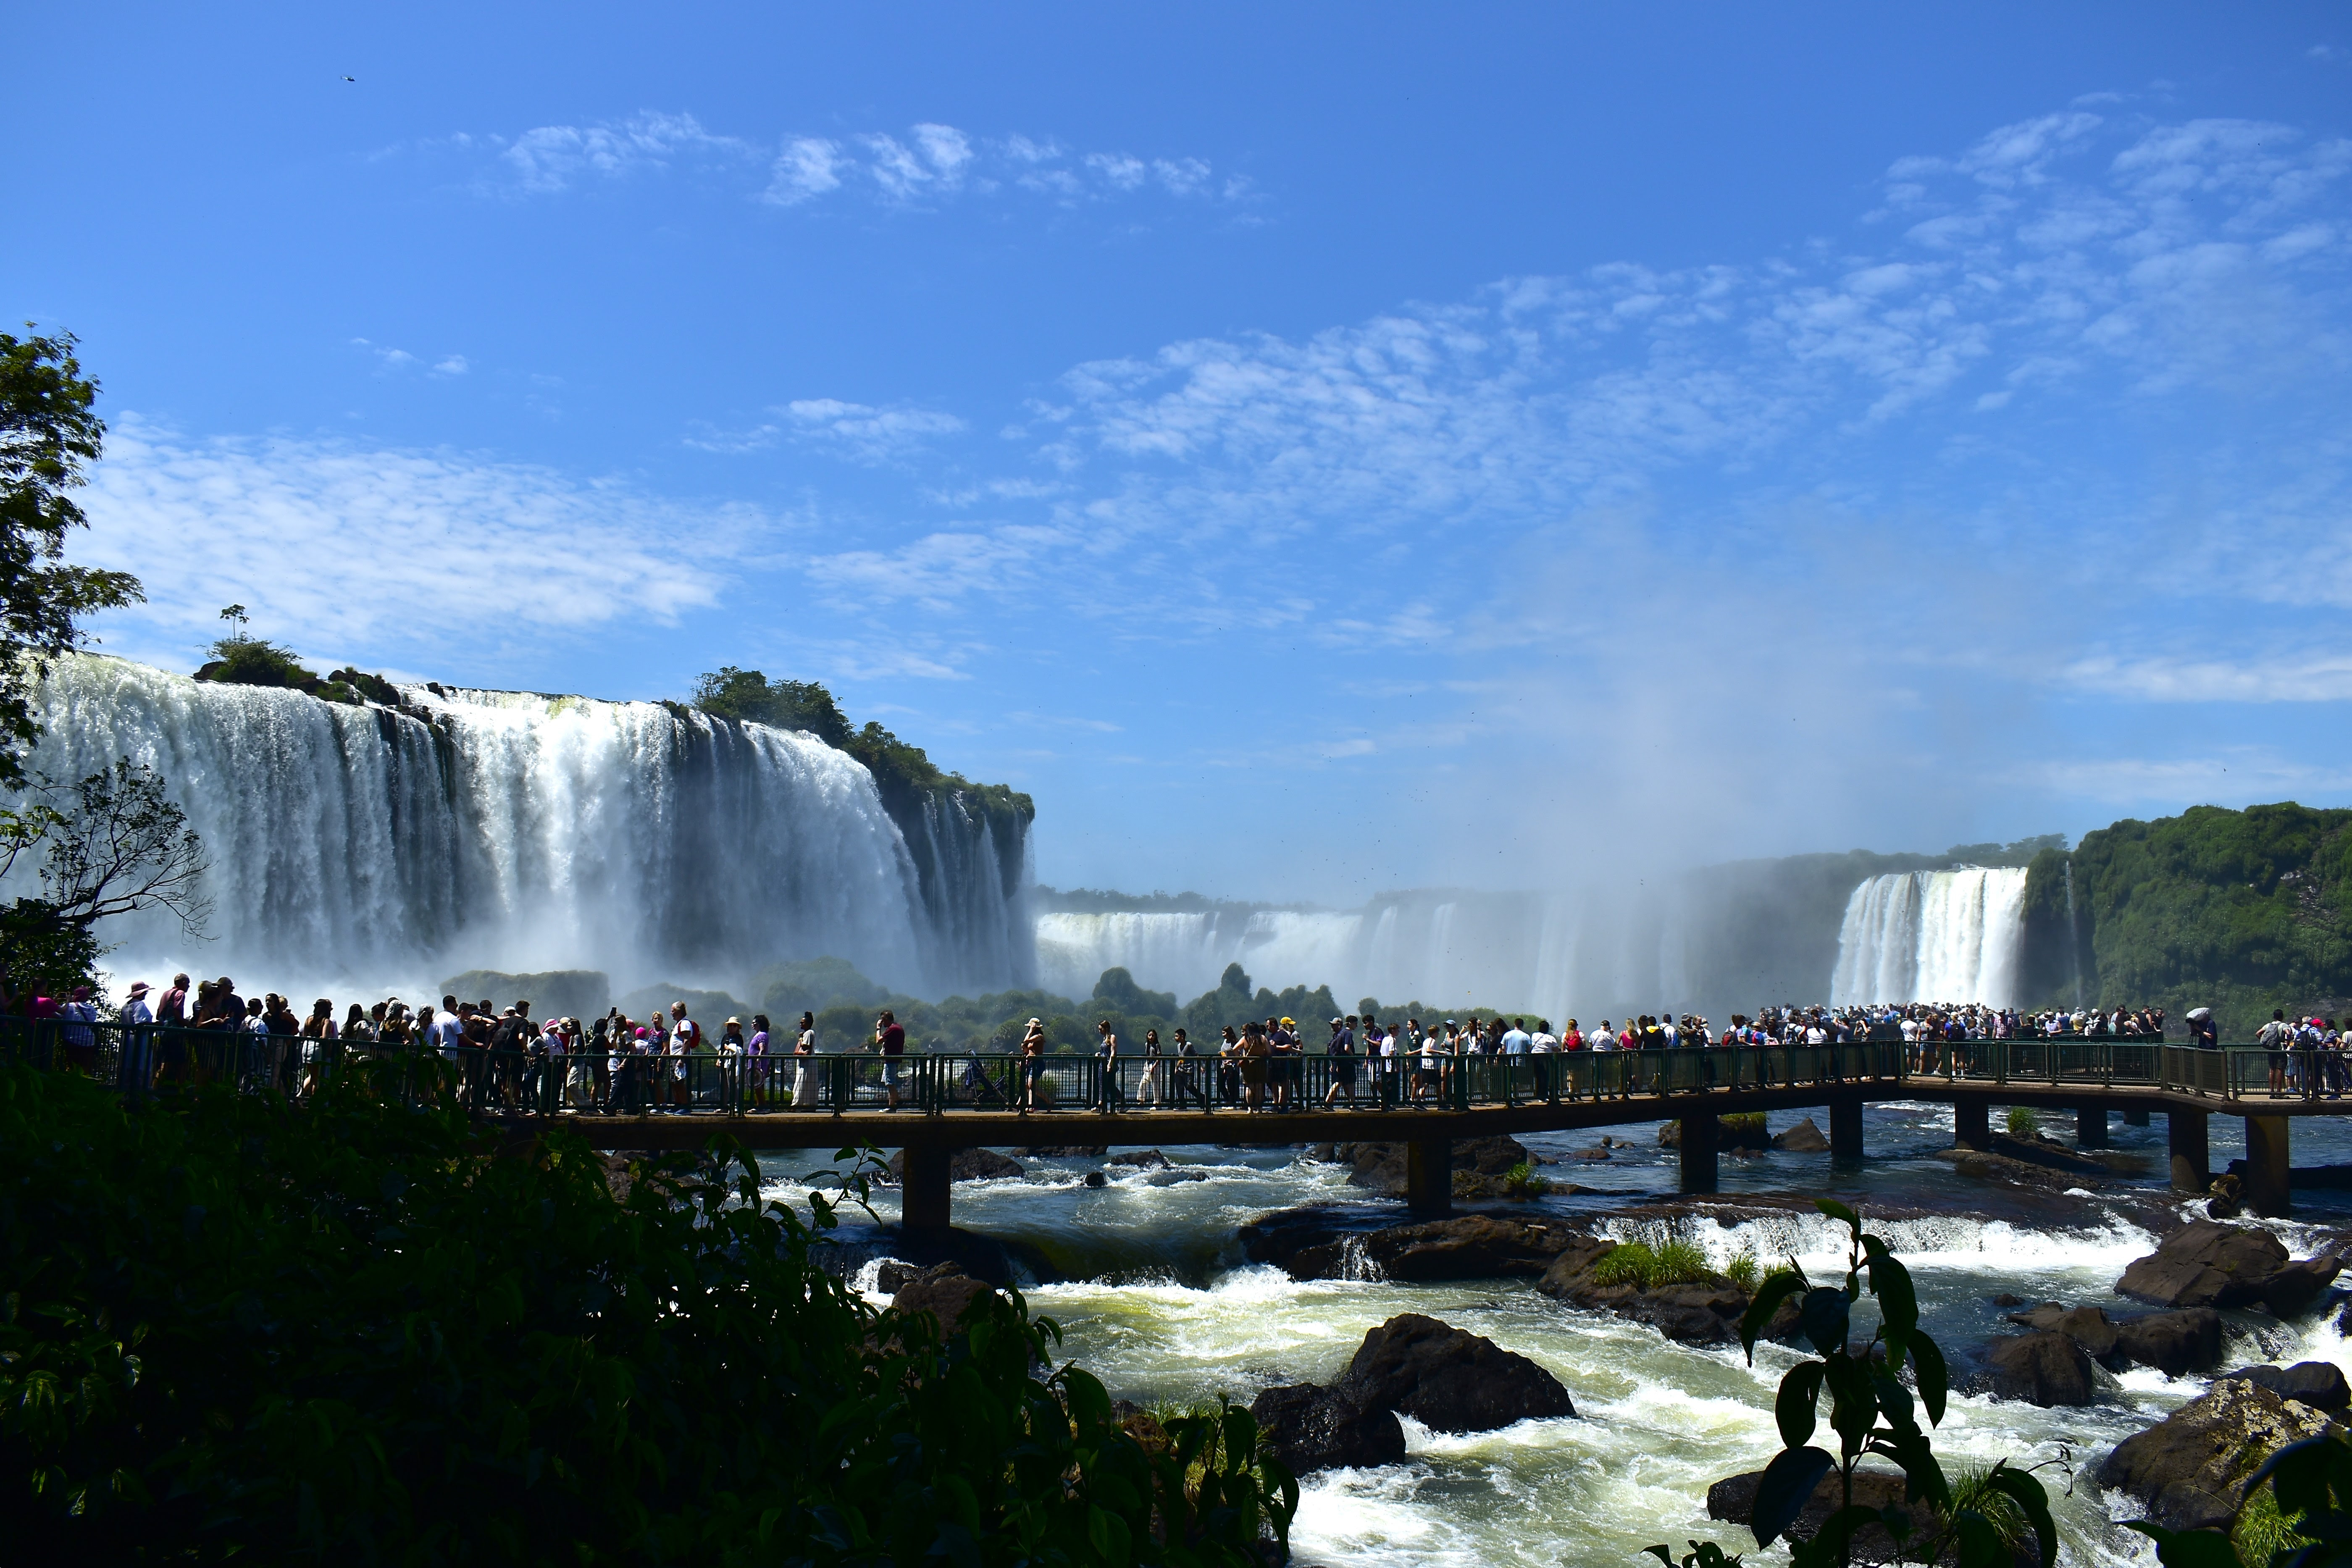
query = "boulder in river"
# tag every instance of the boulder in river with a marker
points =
(1381, 1166)
(2086, 1326)
(1697, 1312)
(1142, 1159)
(2317, 1384)
(1733, 1500)
(1064, 1151)
(1310, 1427)
(944, 1291)
(2189, 1470)
(1448, 1379)
(2043, 1368)
(2209, 1264)
(1466, 1247)
(965, 1165)
(2173, 1342)
(1804, 1137)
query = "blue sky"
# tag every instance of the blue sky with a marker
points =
(1313, 450)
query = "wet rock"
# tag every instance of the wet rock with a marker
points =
(2006, 1300)
(2208, 1263)
(2189, 1470)
(1381, 1166)
(966, 1165)
(1142, 1159)
(1448, 1379)
(1703, 1312)
(1804, 1137)
(1730, 1137)
(1064, 1151)
(2227, 1198)
(1734, 1500)
(2317, 1384)
(985, 1258)
(1310, 1427)
(943, 1290)
(2173, 1342)
(2086, 1326)
(2045, 1368)
(1468, 1247)
(1096, 1179)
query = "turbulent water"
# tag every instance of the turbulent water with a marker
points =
(1551, 954)
(519, 832)
(1939, 936)
(1165, 1310)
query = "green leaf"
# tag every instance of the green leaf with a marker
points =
(1827, 1549)
(1853, 1404)
(1825, 1319)
(1899, 1302)
(1662, 1555)
(1769, 1297)
(1796, 1408)
(1786, 1487)
(2033, 1500)
(1839, 1212)
(1928, 1369)
(1980, 1543)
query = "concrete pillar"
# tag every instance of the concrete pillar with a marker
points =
(2090, 1127)
(1845, 1127)
(1971, 1124)
(2134, 1118)
(923, 1194)
(1428, 1177)
(1698, 1142)
(2185, 1130)
(2268, 1181)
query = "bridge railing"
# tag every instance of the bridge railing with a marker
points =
(144, 1060)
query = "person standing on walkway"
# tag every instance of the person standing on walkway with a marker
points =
(1149, 1090)
(1342, 1052)
(1107, 1054)
(803, 1068)
(890, 1044)
(1033, 1064)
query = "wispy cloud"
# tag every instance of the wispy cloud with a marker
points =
(392, 359)
(923, 164)
(374, 549)
(857, 432)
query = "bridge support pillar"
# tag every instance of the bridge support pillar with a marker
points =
(1845, 1127)
(2185, 1130)
(2134, 1118)
(2268, 1181)
(1698, 1141)
(1972, 1124)
(924, 1189)
(2090, 1127)
(1428, 1177)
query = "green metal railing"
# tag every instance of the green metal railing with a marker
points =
(151, 1059)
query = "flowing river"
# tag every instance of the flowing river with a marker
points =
(1158, 1302)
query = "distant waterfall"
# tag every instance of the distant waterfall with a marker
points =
(514, 831)
(1932, 936)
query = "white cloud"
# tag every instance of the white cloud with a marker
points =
(855, 431)
(551, 158)
(455, 364)
(379, 545)
(929, 162)
(2325, 678)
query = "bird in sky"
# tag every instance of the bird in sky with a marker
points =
(351, 78)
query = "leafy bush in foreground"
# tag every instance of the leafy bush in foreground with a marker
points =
(352, 1331)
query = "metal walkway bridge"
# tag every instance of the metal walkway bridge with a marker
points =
(932, 1104)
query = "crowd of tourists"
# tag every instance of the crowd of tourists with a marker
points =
(670, 1061)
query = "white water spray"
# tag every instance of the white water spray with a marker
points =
(1932, 936)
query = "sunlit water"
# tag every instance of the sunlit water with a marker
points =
(1162, 1306)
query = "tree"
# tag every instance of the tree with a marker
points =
(48, 430)
(121, 845)
(750, 697)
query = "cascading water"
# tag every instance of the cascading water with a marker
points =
(512, 831)
(1932, 936)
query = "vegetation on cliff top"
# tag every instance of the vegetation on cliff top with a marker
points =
(2242, 912)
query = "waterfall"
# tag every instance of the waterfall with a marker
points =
(515, 831)
(1932, 936)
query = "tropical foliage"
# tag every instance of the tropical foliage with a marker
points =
(238, 1329)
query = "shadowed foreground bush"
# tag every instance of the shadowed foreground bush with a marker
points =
(352, 1333)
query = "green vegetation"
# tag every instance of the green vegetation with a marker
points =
(1874, 1411)
(2296, 1513)
(2024, 1124)
(1745, 1128)
(903, 774)
(1521, 1181)
(240, 660)
(1637, 1263)
(49, 428)
(2242, 912)
(241, 1330)
(114, 844)
(1742, 1271)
